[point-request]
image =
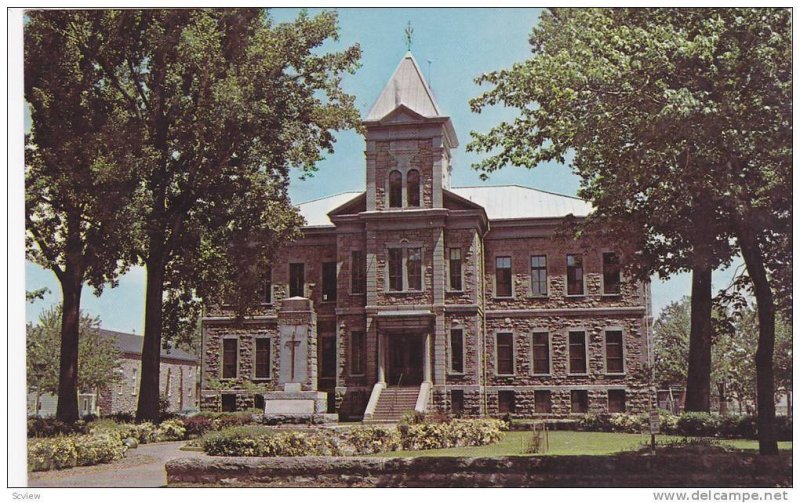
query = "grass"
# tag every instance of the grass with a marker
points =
(564, 443)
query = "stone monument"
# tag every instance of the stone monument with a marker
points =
(297, 331)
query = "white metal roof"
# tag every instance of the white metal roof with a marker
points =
(316, 211)
(406, 87)
(515, 201)
(500, 202)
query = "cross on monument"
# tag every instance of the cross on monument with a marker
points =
(409, 35)
(293, 348)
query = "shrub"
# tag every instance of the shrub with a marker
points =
(51, 454)
(626, 423)
(96, 449)
(458, 433)
(77, 450)
(596, 422)
(197, 426)
(697, 424)
(248, 441)
(412, 417)
(668, 422)
(120, 417)
(170, 430)
(45, 427)
(223, 420)
(783, 427)
(736, 427)
(372, 439)
(143, 432)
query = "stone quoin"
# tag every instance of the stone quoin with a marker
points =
(429, 297)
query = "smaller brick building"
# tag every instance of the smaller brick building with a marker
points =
(178, 381)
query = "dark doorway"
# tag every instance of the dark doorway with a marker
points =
(326, 381)
(405, 359)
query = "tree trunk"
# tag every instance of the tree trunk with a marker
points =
(147, 409)
(698, 381)
(67, 408)
(765, 376)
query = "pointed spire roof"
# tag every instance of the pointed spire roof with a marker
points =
(406, 87)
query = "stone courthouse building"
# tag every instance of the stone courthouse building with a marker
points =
(436, 298)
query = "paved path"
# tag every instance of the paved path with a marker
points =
(141, 467)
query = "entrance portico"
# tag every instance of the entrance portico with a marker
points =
(404, 348)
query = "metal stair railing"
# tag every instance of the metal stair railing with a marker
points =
(394, 406)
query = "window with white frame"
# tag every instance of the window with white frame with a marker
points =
(539, 276)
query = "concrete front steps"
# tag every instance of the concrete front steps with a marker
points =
(393, 404)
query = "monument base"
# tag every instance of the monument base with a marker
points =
(293, 401)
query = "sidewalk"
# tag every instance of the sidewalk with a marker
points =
(142, 467)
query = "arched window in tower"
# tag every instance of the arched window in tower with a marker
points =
(412, 187)
(395, 189)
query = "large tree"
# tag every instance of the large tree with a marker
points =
(72, 190)
(734, 349)
(221, 103)
(680, 125)
(98, 356)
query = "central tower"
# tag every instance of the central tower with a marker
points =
(408, 144)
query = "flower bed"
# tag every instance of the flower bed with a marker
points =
(249, 441)
(690, 424)
(75, 450)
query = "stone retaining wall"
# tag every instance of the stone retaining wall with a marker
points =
(623, 470)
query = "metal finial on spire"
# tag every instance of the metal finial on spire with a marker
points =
(409, 35)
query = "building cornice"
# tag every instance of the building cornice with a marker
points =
(565, 311)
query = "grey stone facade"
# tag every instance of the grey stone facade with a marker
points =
(408, 332)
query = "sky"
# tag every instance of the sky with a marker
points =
(452, 47)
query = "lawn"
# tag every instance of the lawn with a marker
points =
(566, 443)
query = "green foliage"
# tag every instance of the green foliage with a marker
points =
(98, 357)
(171, 430)
(44, 427)
(260, 441)
(38, 294)
(70, 451)
(733, 353)
(197, 426)
(372, 439)
(679, 123)
(145, 432)
(697, 424)
(689, 424)
(245, 441)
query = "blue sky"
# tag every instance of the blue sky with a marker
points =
(460, 45)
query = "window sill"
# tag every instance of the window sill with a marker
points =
(577, 374)
(357, 375)
(457, 374)
(534, 297)
(503, 297)
(403, 292)
(454, 291)
(262, 379)
(616, 374)
(357, 294)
